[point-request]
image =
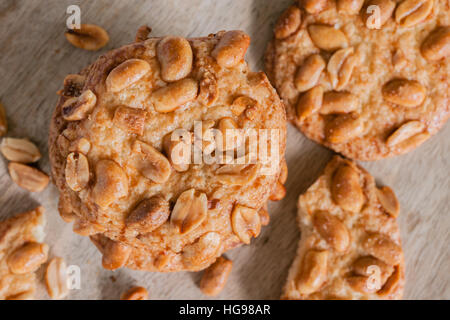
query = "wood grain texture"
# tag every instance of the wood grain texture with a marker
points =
(35, 57)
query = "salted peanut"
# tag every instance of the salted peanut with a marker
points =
(56, 278)
(309, 73)
(245, 222)
(27, 258)
(327, 37)
(377, 12)
(27, 177)
(314, 6)
(340, 67)
(264, 216)
(370, 266)
(388, 201)
(78, 108)
(152, 164)
(278, 192)
(237, 174)
(382, 247)
(88, 37)
(77, 171)
(242, 103)
(126, 74)
(349, 6)
(332, 230)
(178, 151)
(344, 128)
(73, 85)
(20, 150)
(142, 33)
(411, 12)
(406, 93)
(283, 172)
(309, 103)
(412, 143)
(362, 284)
(436, 45)
(135, 293)
(148, 215)
(175, 57)
(313, 272)
(174, 95)
(190, 211)
(404, 132)
(130, 119)
(288, 22)
(391, 283)
(115, 254)
(3, 121)
(111, 183)
(346, 190)
(203, 250)
(81, 145)
(215, 276)
(231, 48)
(339, 102)
(208, 90)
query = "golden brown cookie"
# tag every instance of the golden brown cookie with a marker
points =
(368, 79)
(21, 254)
(350, 244)
(115, 148)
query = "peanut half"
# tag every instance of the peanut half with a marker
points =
(332, 230)
(126, 74)
(436, 45)
(309, 73)
(56, 278)
(111, 183)
(88, 37)
(288, 22)
(175, 56)
(135, 293)
(388, 201)
(377, 12)
(27, 177)
(77, 171)
(346, 190)
(245, 222)
(411, 12)
(202, 251)
(313, 272)
(189, 212)
(151, 163)
(20, 150)
(406, 93)
(327, 37)
(148, 215)
(231, 48)
(215, 277)
(27, 258)
(131, 120)
(349, 6)
(174, 95)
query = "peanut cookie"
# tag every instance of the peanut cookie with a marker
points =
(21, 254)
(136, 155)
(350, 243)
(368, 79)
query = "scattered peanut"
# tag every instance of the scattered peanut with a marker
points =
(88, 37)
(77, 171)
(135, 293)
(375, 19)
(215, 277)
(27, 177)
(151, 163)
(314, 6)
(56, 278)
(20, 150)
(340, 67)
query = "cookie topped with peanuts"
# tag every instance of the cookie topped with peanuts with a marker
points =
(368, 79)
(165, 150)
(350, 244)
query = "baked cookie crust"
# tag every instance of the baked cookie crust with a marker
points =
(364, 92)
(350, 244)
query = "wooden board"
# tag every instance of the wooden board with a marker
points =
(35, 57)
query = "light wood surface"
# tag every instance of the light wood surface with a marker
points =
(35, 57)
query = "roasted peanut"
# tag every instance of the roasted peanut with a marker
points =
(245, 222)
(142, 33)
(126, 74)
(3, 121)
(309, 73)
(77, 171)
(405, 132)
(174, 95)
(327, 37)
(88, 37)
(388, 201)
(372, 267)
(135, 293)
(411, 12)
(278, 192)
(28, 178)
(339, 102)
(175, 56)
(332, 230)
(288, 22)
(130, 119)
(151, 163)
(377, 12)
(78, 108)
(115, 254)
(391, 283)
(314, 6)
(382, 247)
(406, 93)
(56, 278)
(19, 150)
(215, 277)
(27, 258)
(340, 67)
(349, 6)
(241, 104)
(346, 190)
(148, 215)
(81, 145)
(283, 172)
(309, 103)
(111, 183)
(436, 45)
(189, 212)
(231, 48)
(202, 251)
(313, 272)
(412, 143)
(344, 128)
(73, 85)
(237, 174)
(178, 149)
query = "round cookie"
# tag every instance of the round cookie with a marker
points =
(120, 135)
(365, 87)
(350, 245)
